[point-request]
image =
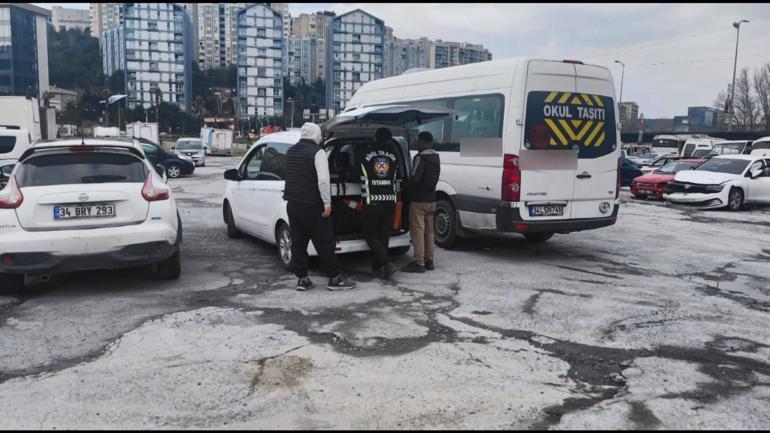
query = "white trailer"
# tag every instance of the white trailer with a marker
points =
(217, 141)
(148, 131)
(22, 112)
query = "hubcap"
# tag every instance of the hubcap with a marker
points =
(735, 200)
(442, 224)
(284, 244)
(173, 171)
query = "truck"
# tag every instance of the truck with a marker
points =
(21, 112)
(147, 131)
(217, 141)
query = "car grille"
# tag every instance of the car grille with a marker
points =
(646, 185)
(686, 187)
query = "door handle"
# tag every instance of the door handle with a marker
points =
(484, 188)
(584, 175)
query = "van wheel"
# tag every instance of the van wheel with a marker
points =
(400, 251)
(735, 199)
(538, 237)
(10, 283)
(232, 230)
(283, 241)
(445, 225)
(171, 268)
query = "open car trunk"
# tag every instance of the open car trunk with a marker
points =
(347, 136)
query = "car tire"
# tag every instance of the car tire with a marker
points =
(445, 225)
(232, 230)
(400, 251)
(173, 171)
(10, 283)
(283, 242)
(537, 237)
(735, 199)
(171, 268)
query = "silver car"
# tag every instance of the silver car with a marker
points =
(193, 148)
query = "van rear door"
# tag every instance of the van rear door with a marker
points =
(597, 168)
(547, 171)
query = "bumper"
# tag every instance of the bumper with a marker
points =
(697, 200)
(188, 168)
(357, 245)
(647, 191)
(48, 263)
(509, 220)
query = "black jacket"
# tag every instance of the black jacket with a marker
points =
(426, 169)
(301, 177)
(379, 165)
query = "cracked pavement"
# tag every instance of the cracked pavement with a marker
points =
(657, 322)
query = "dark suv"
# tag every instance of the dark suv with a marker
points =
(175, 165)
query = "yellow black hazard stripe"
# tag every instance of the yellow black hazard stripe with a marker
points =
(589, 132)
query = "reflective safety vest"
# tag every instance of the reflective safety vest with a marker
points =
(378, 174)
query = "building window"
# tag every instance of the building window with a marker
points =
(261, 92)
(261, 72)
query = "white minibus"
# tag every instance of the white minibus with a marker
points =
(534, 149)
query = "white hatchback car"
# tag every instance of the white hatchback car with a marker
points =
(253, 202)
(726, 180)
(82, 204)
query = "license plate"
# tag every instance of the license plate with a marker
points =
(84, 211)
(646, 191)
(546, 210)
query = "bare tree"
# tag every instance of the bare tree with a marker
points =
(745, 103)
(762, 89)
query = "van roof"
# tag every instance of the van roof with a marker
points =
(482, 72)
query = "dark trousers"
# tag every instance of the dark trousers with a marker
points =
(306, 224)
(378, 219)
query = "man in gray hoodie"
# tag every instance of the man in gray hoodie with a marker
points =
(308, 193)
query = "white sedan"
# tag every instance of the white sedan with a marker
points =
(253, 202)
(723, 181)
(82, 204)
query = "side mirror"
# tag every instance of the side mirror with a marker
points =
(173, 147)
(160, 169)
(6, 170)
(756, 173)
(233, 175)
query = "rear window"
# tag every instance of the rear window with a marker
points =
(80, 168)
(567, 120)
(7, 143)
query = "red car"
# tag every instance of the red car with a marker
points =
(654, 184)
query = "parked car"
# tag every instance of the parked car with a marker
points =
(723, 181)
(628, 171)
(761, 147)
(644, 158)
(193, 148)
(659, 162)
(739, 147)
(175, 165)
(655, 184)
(253, 201)
(81, 204)
(700, 144)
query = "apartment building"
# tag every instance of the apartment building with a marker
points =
(23, 50)
(66, 18)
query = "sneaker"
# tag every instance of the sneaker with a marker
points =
(304, 284)
(387, 271)
(429, 265)
(338, 283)
(414, 267)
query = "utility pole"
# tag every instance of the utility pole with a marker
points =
(730, 116)
(622, 74)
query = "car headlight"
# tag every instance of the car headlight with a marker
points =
(186, 158)
(714, 188)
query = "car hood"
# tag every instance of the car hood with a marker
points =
(655, 178)
(398, 118)
(704, 177)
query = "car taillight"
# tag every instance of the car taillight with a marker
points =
(511, 183)
(152, 191)
(11, 196)
(617, 183)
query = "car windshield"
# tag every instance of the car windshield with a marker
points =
(189, 145)
(79, 168)
(724, 165)
(676, 167)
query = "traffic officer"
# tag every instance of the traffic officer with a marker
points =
(308, 195)
(379, 166)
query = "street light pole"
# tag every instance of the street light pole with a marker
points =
(730, 116)
(622, 75)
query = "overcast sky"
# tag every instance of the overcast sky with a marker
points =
(676, 55)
